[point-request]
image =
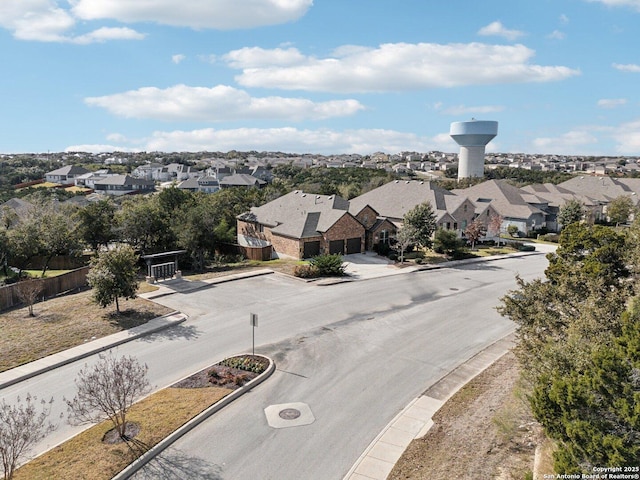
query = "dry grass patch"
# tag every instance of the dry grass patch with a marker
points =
(484, 431)
(66, 322)
(86, 456)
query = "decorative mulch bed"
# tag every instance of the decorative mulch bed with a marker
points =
(220, 375)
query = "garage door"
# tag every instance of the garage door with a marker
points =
(354, 245)
(311, 249)
(336, 246)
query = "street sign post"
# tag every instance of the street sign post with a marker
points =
(253, 317)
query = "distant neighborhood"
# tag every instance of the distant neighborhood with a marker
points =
(302, 224)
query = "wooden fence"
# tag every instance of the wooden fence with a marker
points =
(52, 287)
(252, 253)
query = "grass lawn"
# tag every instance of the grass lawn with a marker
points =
(65, 322)
(86, 456)
(48, 273)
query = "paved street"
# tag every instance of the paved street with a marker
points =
(356, 353)
(355, 373)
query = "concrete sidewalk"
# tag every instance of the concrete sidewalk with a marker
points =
(415, 420)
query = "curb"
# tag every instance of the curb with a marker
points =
(150, 454)
(101, 346)
(374, 467)
(209, 283)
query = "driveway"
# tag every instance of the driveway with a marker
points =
(370, 265)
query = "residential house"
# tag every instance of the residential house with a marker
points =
(241, 180)
(88, 179)
(14, 206)
(206, 184)
(301, 225)
(393, 200)
(557, 196)
(525, 210)
(65, 175)
(123, 185)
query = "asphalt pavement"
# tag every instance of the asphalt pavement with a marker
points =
(379, 458)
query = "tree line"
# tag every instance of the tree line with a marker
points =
(578, 335)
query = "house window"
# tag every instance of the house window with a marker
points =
(464, 225)
(455, 225)
(384, 236)
(464, 209)
(448, 226)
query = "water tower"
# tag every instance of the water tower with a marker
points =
(472, 137)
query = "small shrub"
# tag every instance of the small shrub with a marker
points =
(245, 363)
(550, 237)
(241, 379)
(382, 249)
(305, 271)
(328, 265)
(393, 256)
(512, 230)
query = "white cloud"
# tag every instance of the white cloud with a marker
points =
(498, 29)
(619, 3)
(465, 110)
(324, 141)
(256, 57)
(575, 142)
(217, 14)
(627, 137)
(556, 35)
(629, 67)
(564, 19)
(99, 148)
(395, 67)
(178, 58)
(104, 34)
(44, 21)
(216, 104)
(612, 102)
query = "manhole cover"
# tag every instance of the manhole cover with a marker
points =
(454, 289)
(289, 413)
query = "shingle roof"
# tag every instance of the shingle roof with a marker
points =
(603, 189)
(556, 195)
(68, 170)
(241, 180)
(505, 198)
(396, 198)
(123, 180)
(298, 214)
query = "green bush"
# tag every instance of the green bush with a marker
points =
(550, 237)
(327, 265)
(512, 230)
(247, 364)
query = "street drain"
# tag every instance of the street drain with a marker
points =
(289, 413)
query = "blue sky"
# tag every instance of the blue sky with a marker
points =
(318, 76)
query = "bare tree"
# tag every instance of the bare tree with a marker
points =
(28, 291)
(405, 237)
(108, 390)
(21, 427)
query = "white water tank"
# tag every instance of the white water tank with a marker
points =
(472, 137)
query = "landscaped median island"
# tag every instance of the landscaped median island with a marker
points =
(98, 454)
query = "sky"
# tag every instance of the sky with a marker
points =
(318, 76)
